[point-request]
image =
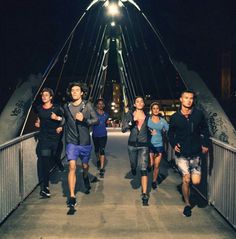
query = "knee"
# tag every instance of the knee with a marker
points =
(156, 165)
(196, 181)
(186, 179)
(85, 166)
(72, 167)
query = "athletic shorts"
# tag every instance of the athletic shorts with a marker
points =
(73, 152)
(189, 165)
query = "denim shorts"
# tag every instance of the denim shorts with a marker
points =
(73, 152)
(156, 150)
(189, 165)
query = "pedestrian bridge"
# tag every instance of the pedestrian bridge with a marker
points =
(113, 209)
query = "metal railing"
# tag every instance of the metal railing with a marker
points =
(18, 172)
(218, 185)
(222, 179)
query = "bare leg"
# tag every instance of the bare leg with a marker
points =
(186, 188)
(157, 161)
(144, 183)
(72, 177)
(102, 160)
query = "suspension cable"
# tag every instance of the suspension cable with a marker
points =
(134, 61)
(64, 62)
(97, 56)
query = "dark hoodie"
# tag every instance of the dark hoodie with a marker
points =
(190, 133)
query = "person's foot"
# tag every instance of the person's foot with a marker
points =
(145, 199)
(187, 212)
(71, 202)
(101, 173)
(45, 192)
(133, 171)
(154, 185)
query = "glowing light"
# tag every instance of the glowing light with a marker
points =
(113, 24)
(113, 9)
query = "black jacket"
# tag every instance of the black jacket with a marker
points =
(77, 132)
(191, 133)
(137, 137)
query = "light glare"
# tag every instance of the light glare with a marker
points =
(113, 9)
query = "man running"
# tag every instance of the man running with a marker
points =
(100, 136)
(189, 136)
(138, 150)
(79, 116)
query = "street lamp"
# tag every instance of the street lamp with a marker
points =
(113, 9)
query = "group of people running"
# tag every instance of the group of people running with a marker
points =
(187, 132)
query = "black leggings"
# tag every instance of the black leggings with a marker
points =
(47, 153)
(100, 144)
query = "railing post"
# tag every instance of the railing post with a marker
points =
(21, 173)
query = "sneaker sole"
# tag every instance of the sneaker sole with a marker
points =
(43, 194)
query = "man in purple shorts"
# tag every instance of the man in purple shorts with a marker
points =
(79, 116)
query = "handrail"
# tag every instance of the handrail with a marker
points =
(17, 140)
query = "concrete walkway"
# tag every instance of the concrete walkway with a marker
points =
(113, 208)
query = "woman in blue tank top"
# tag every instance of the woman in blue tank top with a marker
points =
(99, 136)
(156, 125)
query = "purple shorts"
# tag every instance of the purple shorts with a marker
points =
(73, 152)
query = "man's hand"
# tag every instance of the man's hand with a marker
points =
(79, 116)
(59, 130)
(204, 150)
(177, 148)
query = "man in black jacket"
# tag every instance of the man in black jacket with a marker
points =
(189, 136)
(138, 150)
(79, 116)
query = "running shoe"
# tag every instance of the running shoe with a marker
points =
(71, 202)
(145, 199)
(154, 185)
(101, 173)
(187, 212)
(45, 192)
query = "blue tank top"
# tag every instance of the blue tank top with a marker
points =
(100, 129)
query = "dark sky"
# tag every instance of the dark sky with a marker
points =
(194, 32)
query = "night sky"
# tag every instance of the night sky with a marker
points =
(196, 33)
